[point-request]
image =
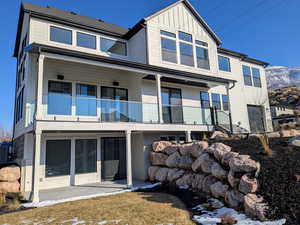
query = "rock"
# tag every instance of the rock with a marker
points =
(295, 141)
(199, 148)
(232, 180)
(218, 172)
(174, 174)
(274, 134)
(242, 163)
(218, 135)
(11, 187)
(185, 180)
(162, 174)
(204, 162)
(169, 150)
(173, 160)
(185, 162)
(215, 203)
(248, 185)
(159, 146)
(197, 181)
(218, 150)
(207, 182)
(234, 199)
(152, 170)
(228, 219)
(158, 159)
(186, 149)
(227, 156)
(218, 189)
(254, 206)
(10, 173)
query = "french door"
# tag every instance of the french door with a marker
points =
(172, 105)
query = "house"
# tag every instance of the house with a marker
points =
(283, 116)
(91, 96)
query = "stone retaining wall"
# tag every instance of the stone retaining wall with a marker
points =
(215, 170)
(9, 179)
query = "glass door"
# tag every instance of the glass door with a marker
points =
(172, 105)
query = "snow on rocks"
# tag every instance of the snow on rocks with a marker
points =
(215, 170)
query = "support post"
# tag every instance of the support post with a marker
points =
(128, 158)
(188, 135)
(229, 109)
(36, 167)
(39, 95)
(159, 102)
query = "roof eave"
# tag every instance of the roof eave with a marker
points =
(19, 31)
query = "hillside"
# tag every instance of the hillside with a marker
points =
(289, 96)
(281, 77)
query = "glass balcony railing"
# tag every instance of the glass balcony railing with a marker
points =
(106, 110)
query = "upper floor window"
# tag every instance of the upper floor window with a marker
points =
(225, 101)
(204, 97)
(113, 46)
(202, 55)
(186, 54)
(247, 75)
(224, 63)
(216, 101)
(185, 36)
(168, 47)
(61, 35)
(256, 77)
(86, 40)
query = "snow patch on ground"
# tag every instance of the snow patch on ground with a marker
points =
(54, 202)
(214, 217)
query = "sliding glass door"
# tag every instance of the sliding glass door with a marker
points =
(172, 105)
(114, 105)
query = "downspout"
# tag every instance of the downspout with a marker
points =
(230, 115)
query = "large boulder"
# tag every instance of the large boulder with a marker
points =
(10, 173)
(227, 157)
(206, 162)
(218, 189)
(185, 180)
(295, 141)
(162, 174)
(159, 146)
(199, 148)
(243, 163)
(186, 149)
(248, 185)
(158, 159)
(255, 206)
(174, 174)
(218, 172)
(173, 160)
(9, 187)
(218, 150)
(218, 135)
(232, 179)
(185, 162)
(152, 170)
(234, 199)
(198, 181)
(207, 182)
(169, 150)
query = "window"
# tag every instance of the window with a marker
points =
(19, 106)
(185, 37)
(169, 34)
(186, 54)
(202, 43)
(247, 75)
(168, 48)
(60, 35)
(112, 46)
(202, 58)
(204, 97)
(58, 157)
(216, 101)
(224, 63)
(86, 100)
(85, 156)
(171, 105)
(225, 101)
(86, 40)
(59, 98)
(256, 77)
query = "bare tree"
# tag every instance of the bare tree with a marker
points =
(5, 134)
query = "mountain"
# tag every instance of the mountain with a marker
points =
(281, 77)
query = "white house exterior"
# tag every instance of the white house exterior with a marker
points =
(92, 96)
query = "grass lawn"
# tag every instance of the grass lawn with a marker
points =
(122, 209)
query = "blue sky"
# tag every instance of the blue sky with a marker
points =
(263, 29)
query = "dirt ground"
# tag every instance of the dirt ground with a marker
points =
(279, 177)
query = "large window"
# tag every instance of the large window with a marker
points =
(59, 98)
(168, 47)
(225, 102)
(186, 49)
(60, 35)
(19, 106)
(85, 156)
(204, 97)
(58, 157)
(247, 75)
(112, 46)
(202, 56)
(256, 77)
(86, 100)
(171, 105)
(86, 40)
(216, 101)
(224, 63)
